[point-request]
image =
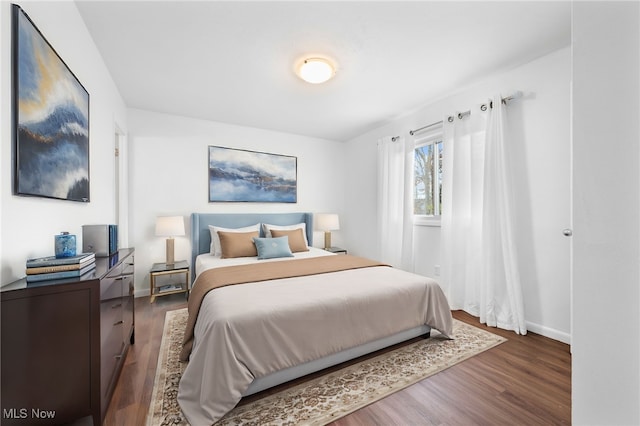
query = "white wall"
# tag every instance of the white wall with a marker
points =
(606, 163)
(28, 224)
(542, 187)
(169, 176)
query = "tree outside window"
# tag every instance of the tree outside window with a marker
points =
(427, 172)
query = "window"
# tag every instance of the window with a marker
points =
(427, 173)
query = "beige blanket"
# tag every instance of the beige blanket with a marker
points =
(230, 275)
(251, 330)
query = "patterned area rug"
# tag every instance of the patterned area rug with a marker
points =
(326, 398)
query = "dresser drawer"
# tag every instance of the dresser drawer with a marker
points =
(128, 266)
(110, 317)
(116, 323)
(111, 356)
(110, 290)
(111, 285)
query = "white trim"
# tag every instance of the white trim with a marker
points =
(142, 292)
(121, 167)
(426, 220)
(433, 139)
(434, 135)
(549, 332)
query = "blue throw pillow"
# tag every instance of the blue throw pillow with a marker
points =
(269, 248)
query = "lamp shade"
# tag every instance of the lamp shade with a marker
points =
(169, 226)
(327, 222)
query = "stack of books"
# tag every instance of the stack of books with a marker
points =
(170, 287)
(53, 268)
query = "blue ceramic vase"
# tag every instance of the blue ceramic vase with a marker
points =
(65, 245)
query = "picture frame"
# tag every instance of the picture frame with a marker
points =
(50, 119)
(237, 175)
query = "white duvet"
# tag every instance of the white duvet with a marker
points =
(250, 330)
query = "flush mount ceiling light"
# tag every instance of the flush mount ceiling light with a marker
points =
(316, 70)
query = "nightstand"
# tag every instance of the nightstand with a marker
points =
(337, 250)
(167, 279)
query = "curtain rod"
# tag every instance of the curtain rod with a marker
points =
(506, 99)
(411, 132)
(462, 115)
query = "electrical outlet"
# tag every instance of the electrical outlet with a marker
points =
(436, 270)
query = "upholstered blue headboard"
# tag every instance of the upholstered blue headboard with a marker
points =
(201, 237)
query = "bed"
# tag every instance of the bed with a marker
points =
(256, 323)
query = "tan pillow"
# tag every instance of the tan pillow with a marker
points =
(237, 244)
(297, 242)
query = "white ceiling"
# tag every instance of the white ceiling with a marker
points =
(234, 61)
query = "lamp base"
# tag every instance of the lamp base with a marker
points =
(170, 259)
(327, 239)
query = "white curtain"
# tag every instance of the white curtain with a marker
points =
(461, 220)
(395, 212)
(479, 263)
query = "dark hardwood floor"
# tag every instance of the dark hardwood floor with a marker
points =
(524, 381)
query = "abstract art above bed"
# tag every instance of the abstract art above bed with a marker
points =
(51, 119)
(237, 175)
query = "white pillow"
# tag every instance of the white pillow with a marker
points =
(267, 229)
(215, 249)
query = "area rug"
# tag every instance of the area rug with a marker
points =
(326, 398)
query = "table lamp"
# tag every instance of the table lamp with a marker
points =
(327, 222)
(170, 226)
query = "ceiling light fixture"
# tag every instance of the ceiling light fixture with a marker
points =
(316, 70)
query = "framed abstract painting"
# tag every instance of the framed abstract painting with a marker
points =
(236, 175)
(50, 119)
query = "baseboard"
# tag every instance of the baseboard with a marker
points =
(141, 292)
(549, 332)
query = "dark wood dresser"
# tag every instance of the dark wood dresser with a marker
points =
(64, 343)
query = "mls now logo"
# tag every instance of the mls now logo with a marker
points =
(23, 413)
